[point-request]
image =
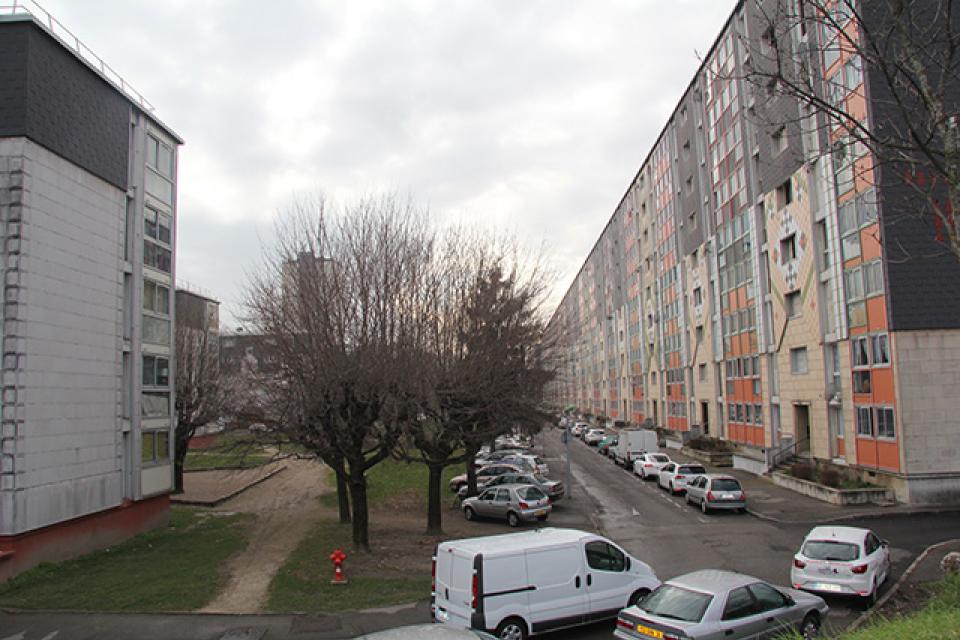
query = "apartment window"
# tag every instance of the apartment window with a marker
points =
(778, 141)
(872, 278)
(155, 330)
(792, 303)
(831, 52)
(758, 414)
(739, 412)
(857, 314)
(866, 204)
(864, 421)
(160, 156)
(756, 386)
(798, 360)
(156, 371)
(155, 404)
(748, 414)
(156, 298)
(156, 256)
(824, 245)
(155, 447)
(788, 249)
(697, 297)
(861, 382)
(847, 217)
(880, 349)
(853, 283)
(785, 193)
(885, 423)
(156, 225)
(861, 352)
(732, 412)
(702, 369)
(699, 334)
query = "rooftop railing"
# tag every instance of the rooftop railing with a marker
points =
(72, 42)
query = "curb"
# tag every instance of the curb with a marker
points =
(867, 515)
(866, 615)
(221, 499)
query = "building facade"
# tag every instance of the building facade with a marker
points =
(88, 211)
(752, 284)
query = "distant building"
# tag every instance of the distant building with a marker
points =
(88, 184)
(197, 311)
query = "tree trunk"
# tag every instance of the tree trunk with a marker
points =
(471, 470)
(343, 499)
(178, 471)
(434, 507)
(358, 499)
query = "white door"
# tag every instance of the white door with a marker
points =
(560, 595)
(608, 582)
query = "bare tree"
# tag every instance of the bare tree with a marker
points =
(481, 372)
(337, 296)
(201, 392)
(902, 120)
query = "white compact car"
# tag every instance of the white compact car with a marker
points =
(843, 561)
(648, 465)
(674, 475)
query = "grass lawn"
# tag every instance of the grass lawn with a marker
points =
(393, 477)
(939, 620)
(199, 459)
(303, 583)
(177, 568)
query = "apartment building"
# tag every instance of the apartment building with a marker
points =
(759, 282)
(88, 211)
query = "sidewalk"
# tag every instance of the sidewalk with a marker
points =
(771, 502)
(210, 488)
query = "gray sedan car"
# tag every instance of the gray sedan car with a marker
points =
(721, 605)
(514, 503)
(553, 488)
(713, 491)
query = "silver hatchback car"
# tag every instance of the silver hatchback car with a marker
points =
(706, 605)
(713, 491)
(514, 503)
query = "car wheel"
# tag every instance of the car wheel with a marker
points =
(637, 596)
(810, 627)
(687, 498)
(672, 490)
(871, 598)
(513, 520)
(703, 506)
(512, 629)
(469, 514)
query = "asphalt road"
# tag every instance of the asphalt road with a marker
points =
(675, 538)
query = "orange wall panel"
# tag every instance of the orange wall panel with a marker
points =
(888, 455)
(870, 243)
(877, 313)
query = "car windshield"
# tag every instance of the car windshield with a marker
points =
(830, 550)
(725, 484)
(530, 493)
(668, 601)
(660, 458)
(692, 468)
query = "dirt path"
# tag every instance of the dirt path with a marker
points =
(286, 506)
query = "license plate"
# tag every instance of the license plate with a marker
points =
(826, 571)
(647, 631)
(541, 512)
(826, 586)
(727, 496)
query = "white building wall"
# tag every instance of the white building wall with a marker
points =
(62, 340)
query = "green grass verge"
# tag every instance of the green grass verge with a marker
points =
(939, 620)
(393, 477)
(176, 568)
(303, 583)
(199, 460)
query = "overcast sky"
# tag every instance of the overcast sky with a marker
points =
(530, 116)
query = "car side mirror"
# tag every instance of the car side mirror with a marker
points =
(884, 543)
(628, 563)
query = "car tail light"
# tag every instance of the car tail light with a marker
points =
(433, 576)
(474, 591)
(860, 569)
(671, 636)
(710, 496)
(679, 477)
(626, 624)
(743, 494)
(799, 564)
(524, 505)
(647, 465)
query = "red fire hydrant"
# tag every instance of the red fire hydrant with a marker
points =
(337, 558)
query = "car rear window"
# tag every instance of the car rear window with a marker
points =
(531, 493)
(692, 468)
(830, 550)
(725, 484)
(677, 603)
(660, 458)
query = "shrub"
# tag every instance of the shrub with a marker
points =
(802, 470)
(831, 478)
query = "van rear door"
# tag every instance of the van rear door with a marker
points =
(559, 595)
(454, 583)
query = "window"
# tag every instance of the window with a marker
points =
(503, 495)
(156, 371)
(861, 382)
(699, 333)
(785, 193)
(160, 156)
(748, 414)
(758, 414)
(702, 370)
(831, 53)
(156, 225)
(156, 298)
(155, 404)
(155, 330)
(792, 304)
(847, 217)
(768, 598)
(677, 603)
(861, 352)
(697, 297)
(885, 425)
(788, 249)
(857, 314)
(778, 141)
(604, 556)
(850, 246)
(872, 278)
(156, 256)
(880, 349)
(155, 447)
(740, 604)
(824, 245)
(798, 360)
(853, 283)
(864, 421)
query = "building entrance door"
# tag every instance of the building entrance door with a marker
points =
(705, 417)
(801, 422)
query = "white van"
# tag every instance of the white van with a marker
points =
(631, 444)
(519, 584)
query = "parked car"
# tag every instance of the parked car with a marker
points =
(705, 605)
(535, 462)
(484, 474)
(519, 584)
(714, 491)
(578, 428)
(634, 443)
(493, 457)
(841, 560)
(674, 475)
(605, 445)
(514, 503)
(552, 488)
(594, 436)
(427, 631)
(648, 465)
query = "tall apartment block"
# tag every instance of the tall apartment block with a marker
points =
(761, 283)
(87, 215)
